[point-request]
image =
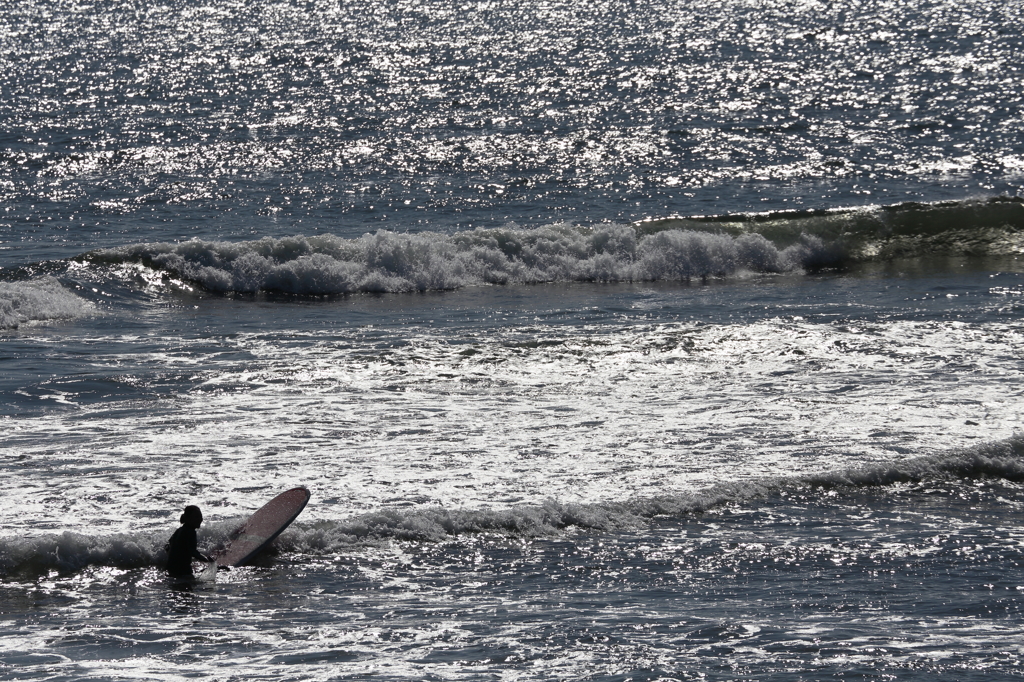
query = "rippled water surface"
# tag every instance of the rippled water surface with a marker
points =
(279, 117)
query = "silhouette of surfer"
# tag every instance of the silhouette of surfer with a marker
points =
(182, 547)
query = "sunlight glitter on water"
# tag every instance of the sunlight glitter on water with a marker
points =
(497, 421)
(368, 113)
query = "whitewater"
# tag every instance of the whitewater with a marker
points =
(669, 342)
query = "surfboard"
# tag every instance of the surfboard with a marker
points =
(263, 527)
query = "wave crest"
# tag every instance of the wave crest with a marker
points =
(988, 227)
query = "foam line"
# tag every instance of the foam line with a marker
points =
(73, 551)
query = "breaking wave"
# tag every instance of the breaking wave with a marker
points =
(670, 249)
(37, 300)
(430, 261)
(73, 551)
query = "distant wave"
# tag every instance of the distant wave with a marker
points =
(670, 249)
(73, 551)
(39, 299)
(391, 262)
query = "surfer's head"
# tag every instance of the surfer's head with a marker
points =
(192, 516)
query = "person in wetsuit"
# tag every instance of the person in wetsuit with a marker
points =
(182, 547)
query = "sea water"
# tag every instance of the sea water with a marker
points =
(614, 341)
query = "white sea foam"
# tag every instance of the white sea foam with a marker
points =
(36, 300)
(71, 551)
(584, 415)
(390, 262)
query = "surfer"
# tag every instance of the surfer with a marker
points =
(182, 547)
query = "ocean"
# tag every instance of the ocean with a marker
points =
(614, 341)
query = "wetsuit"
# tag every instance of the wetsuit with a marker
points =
(181, 550)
